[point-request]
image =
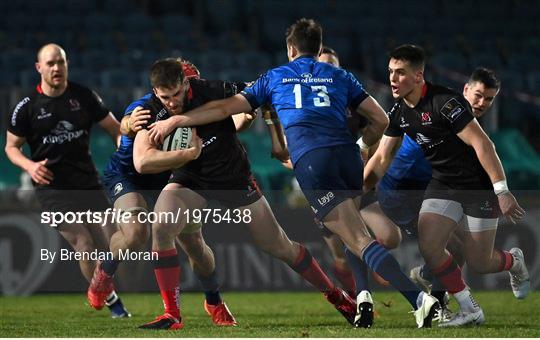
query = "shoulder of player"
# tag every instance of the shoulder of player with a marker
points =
(448, 102)
(396, 108)
(143, 101)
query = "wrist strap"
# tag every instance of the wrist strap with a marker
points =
(500, 187)
(362, 144)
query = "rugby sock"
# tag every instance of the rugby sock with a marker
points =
(309, 269)
(449, 275)
(109, 266)
(111, 299)
(384, 264)
(360, 271)
(466, 301)
(506, 260)
(167, 271)
(211, 288)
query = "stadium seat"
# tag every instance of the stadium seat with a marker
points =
(520, 161)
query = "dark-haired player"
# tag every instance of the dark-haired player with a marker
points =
(137, 193)
(468, 182)
(55, 120)
(311, 99)
(221, 172)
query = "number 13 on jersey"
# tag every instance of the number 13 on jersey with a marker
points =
(322, 99)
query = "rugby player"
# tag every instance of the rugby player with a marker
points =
(468, 181)
(382, 227)
(136, 193)
(311, 100)
(55, 120)
(220, 171)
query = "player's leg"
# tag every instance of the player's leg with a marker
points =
(202, 261)
(341, 269)
(482, 257)
(173, 198)
(330, 184)
(383, 229)
(438, 220)
(272, 239)
(129, 236)
(80, 239)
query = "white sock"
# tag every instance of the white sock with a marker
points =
(466, 301)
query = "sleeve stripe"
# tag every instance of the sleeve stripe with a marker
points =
(357, 100)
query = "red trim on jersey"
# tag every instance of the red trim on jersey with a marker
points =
(39, 89)
(424, 90)
(190, 94)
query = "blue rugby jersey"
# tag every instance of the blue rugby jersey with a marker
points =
(409, 163)
(311, 99)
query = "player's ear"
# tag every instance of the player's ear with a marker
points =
(38, 67)
(419, 75)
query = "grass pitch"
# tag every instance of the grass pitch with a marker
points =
(258, 315)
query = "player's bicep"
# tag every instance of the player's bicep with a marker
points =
(14, 141)
(371, 109)
(473, 134)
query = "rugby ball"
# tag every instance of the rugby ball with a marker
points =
(178, 139)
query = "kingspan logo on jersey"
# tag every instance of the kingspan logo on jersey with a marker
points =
(63, 132)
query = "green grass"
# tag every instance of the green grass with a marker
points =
(258, 315)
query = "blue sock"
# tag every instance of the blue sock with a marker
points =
(211, 288)
(110, 266)
(360, 271)
(384, 264)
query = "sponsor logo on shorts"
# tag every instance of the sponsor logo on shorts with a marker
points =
(486, 206)
(118, 188)
(324, 200)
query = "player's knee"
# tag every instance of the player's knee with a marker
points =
(83, 244)
(391, 240)
(194, 245)
(137, 236)
(164, 231)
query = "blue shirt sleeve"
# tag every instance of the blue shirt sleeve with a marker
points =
(258, 93)
(139, 102)
(357, 94)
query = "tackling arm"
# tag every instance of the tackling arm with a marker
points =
(149, 160)
(380, 161)
(370, 109)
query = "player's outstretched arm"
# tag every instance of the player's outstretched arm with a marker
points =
(147, 159)
(208, 113)
(112, 127)
(473, 135)
(243, 121)
(375, 114)
(380, 161)
(37, 170)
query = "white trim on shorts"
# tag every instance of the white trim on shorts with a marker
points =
(447, 208)
(475, 224)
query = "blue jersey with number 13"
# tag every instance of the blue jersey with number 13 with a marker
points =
(311, 99)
